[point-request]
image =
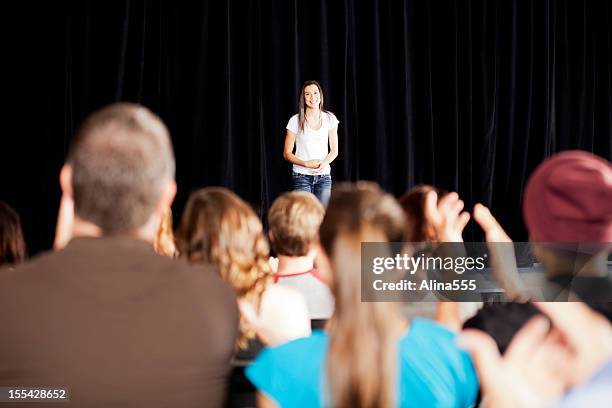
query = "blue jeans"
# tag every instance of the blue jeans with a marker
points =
(319, 185)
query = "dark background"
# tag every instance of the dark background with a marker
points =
(467, 95)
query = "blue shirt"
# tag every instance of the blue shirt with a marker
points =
(434, 372)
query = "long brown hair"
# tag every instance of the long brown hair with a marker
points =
(361, 362)
(218, 227)
(12, 244)
(302, 103)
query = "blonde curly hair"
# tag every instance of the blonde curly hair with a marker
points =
(220, 228)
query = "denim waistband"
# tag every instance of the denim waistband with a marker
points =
(296, 174)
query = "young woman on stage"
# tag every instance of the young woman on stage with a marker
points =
(313, 132)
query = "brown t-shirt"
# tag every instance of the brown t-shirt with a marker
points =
(117, 324)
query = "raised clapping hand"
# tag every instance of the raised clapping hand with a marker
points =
(493, 231)
(502, 257)
(446, 216)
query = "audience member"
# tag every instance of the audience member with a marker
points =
(12, 245)
(369, 357)
(294, 219)
(568, 202)
(106, 316)
(220, 228)
(568, 199)
(543, 361)
(420, 206)
(567, 207)
(501, 321)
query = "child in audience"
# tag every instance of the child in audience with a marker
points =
(418, 204)
(568, 200)
(294, 221)
(12, 245)
(220, 228)
(369, 357)
(571, 350)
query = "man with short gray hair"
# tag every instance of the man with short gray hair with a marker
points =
(106, 317)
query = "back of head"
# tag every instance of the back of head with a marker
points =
(502, 321)
(121, 161)
(358, 213)
(568, 202)
(12, 244)
(220, 228)
(568, 198)
(413, 204)
(294, 219)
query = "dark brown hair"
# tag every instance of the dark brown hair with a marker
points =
(361, 362)
(413, 204)
(294, 219)
(12, 244)
(218, 227)
(121, 159)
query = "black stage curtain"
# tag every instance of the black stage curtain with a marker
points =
(467, 95)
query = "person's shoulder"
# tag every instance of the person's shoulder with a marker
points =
(331, 119)
(316, 342)
(296, 352)
(292, 124)
(427, 327)
(29, 283)
(430, 349)
(290, 373)
(30, 268)
(203, 277)
(426, 335)
(286, 309)
(198, 290)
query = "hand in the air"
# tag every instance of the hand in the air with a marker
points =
(446, 216)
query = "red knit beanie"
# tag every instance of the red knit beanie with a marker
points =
(568, 198)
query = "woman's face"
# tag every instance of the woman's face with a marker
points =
(312, 96)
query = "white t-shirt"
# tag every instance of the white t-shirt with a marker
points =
(319, 299)
(312, 144)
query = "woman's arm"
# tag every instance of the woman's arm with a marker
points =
(292, 158)
(333, 148)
